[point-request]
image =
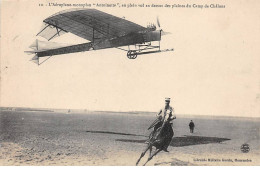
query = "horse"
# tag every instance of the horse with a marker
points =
(160, 139)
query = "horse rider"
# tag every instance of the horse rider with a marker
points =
(161, 136)
(166, 114)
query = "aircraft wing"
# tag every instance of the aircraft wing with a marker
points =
(89, 24)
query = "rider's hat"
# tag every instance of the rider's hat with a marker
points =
(167, 99)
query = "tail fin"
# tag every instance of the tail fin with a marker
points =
(35, 45)
(41, 46)
(35, 59)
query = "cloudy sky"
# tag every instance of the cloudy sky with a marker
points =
(214, 70)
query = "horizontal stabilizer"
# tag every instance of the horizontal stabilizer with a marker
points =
(30, 52)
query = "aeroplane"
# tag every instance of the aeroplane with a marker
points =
(101, 29)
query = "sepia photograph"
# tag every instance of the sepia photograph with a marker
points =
(130, 83)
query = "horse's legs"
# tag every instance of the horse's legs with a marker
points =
(143, 153)
(156, 152)
(151, 148)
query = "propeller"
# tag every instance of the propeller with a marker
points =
(158, 22)
(159, 26)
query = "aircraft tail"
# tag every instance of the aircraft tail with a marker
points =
(42, 49)
(35, 59)
(35, 47)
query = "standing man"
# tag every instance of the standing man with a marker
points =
(191, 125)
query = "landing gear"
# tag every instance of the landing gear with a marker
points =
(132, 54)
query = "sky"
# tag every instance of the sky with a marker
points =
(214, 69)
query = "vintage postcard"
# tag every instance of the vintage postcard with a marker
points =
(126, 83)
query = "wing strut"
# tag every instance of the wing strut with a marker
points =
(43, 61)
(36, 60)
(43, 29)
(55, 34)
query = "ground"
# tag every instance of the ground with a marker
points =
(114, 138)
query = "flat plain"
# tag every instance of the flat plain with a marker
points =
(40, 138)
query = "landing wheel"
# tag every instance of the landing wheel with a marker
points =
(134, 55)
(131, 54)
(128, 54)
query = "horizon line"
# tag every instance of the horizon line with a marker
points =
(140, 111)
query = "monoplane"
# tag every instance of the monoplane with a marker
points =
(100, 29)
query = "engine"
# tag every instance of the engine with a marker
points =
(152, 36)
